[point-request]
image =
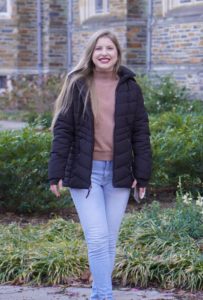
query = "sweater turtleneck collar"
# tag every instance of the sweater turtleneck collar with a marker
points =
(104, 75)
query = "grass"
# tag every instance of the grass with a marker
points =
(43, 254)
(156, 247)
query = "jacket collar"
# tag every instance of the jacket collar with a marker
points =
(124, 73)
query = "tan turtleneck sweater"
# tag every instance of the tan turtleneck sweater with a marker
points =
(104, 89)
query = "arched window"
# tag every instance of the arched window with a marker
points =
(5, 9)
(171, 4)
(90, 8)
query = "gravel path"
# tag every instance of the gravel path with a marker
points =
(11, 125)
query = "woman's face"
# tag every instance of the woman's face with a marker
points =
(105, 54)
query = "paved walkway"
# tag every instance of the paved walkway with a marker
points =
(11, 125)
(75, 293)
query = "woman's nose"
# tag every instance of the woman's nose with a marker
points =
(104, 51)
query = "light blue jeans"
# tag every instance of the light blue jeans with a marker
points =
(100, 215)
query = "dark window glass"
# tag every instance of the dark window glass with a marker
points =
(3, 82)
(99, 6)
(3, 6)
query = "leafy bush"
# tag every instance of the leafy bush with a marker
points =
(23, 171)
(42, 121)
(30, 95)
(177, 149)
(155, 247)
(163, 94)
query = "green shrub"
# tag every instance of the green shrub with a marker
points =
(23, 170)
(29, 101)
(163, 94)
(177, 149)
(42, 121)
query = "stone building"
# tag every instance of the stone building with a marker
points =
(157, 36)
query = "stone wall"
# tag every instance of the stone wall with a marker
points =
(54, 35)
(57, 35)
(136, 34)
(45, 35)
(19, 40)
(27, 35)
(137, 9)
(8, 43)
(177, 45)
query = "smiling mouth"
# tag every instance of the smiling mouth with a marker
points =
(104, 60)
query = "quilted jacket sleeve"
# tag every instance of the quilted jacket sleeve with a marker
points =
(141, 142)
(63, 134)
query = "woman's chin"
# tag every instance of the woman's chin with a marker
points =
(104, 67)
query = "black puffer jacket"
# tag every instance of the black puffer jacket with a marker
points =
(73, 143)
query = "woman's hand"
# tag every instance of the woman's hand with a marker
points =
(141, 190)
(55, 188)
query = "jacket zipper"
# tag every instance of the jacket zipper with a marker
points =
(114, 133)
(92, 121)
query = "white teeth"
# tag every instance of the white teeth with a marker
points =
(104, 59)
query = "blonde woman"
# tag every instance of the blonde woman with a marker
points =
(100, 150)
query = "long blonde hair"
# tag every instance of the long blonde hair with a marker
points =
(84, 69)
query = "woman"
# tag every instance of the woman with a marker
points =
(100, 150)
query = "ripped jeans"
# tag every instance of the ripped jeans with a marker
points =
(100, 215)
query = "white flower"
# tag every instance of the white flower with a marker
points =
(200, 198)
(199, 201)
(186, 198)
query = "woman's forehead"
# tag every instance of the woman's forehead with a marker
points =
(104, 40)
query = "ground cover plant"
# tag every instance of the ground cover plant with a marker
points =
(49, 254)
(156, 247)
(163, 247)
